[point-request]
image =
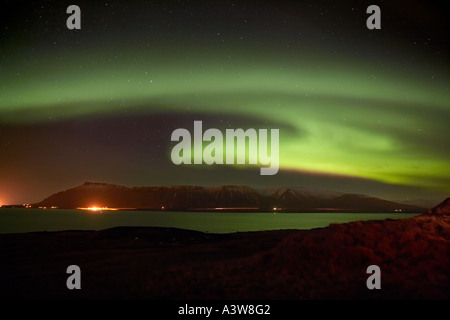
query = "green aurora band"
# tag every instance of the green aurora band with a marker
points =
(349, 118)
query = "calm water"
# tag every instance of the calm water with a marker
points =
(28, 220)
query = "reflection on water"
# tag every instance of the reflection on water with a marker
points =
(29, 220)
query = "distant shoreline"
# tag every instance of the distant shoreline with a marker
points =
(236, 210)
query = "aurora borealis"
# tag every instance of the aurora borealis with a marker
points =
(359, 110)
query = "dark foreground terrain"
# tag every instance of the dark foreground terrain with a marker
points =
(161, 263)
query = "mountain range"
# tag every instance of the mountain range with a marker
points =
(227, 198)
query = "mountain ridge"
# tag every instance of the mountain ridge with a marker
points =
(212, 198)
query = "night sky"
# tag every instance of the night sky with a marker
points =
(361, 111)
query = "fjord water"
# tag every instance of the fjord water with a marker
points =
(31, 220)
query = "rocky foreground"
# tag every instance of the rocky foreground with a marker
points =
(155, 263)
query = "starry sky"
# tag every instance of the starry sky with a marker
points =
(360, 111)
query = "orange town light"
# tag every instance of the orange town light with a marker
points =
(97, 208)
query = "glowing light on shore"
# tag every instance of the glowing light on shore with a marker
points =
(94, 208)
